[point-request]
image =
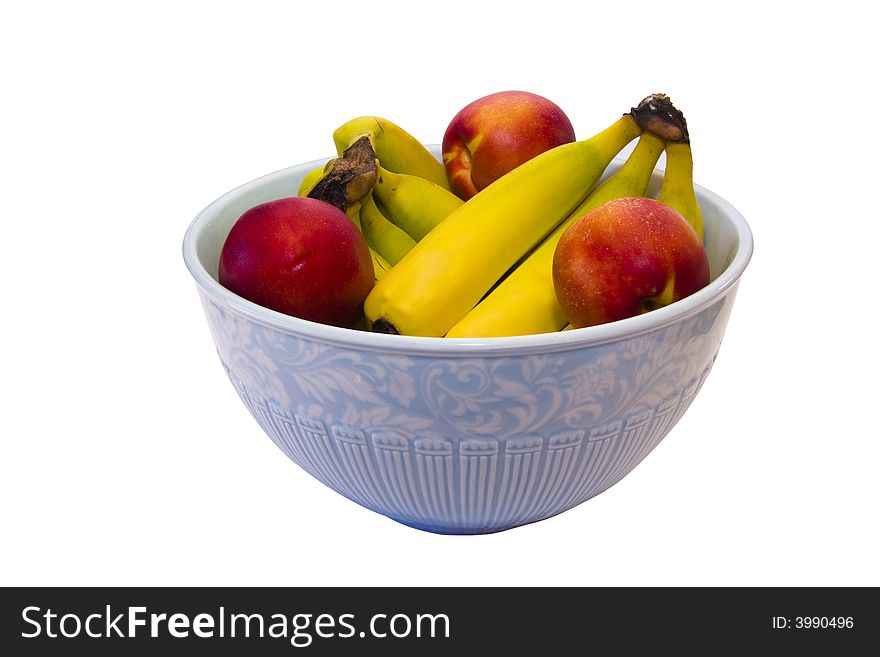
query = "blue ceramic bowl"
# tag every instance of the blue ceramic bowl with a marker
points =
(465, 436)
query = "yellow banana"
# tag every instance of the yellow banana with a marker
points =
(354, 213)
(525, 301)
(454, 265)
(677, 189)
(309, 181)
(657, 114)
(395, 148)
(412, 203)
(386, 239)
(380, 264)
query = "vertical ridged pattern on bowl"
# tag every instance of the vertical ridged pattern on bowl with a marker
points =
(467, 444)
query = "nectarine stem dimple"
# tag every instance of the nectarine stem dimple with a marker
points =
(656, 114)
(350, 177)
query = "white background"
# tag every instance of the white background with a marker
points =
(127, 458)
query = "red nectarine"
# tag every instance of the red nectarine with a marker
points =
(496, 133)
(299, 256)
(626, 257)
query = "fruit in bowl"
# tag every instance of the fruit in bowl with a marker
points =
(301, 257)
(625, 257)
(494, 134)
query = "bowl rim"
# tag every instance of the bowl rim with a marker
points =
(544, 342)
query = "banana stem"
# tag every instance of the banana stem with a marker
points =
(398, 150)
(657, 114)
(350, 177)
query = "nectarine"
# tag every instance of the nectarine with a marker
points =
(299, 256)
(626, 257)
(496, 133)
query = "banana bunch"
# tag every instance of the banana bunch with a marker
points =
(393, 204)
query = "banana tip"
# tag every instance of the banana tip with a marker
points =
(382, 325)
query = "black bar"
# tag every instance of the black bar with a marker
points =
(427, 621)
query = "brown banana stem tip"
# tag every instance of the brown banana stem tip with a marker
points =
(350, 177)
(382, 325)
(658, 115)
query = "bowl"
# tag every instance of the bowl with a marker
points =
(460, 435)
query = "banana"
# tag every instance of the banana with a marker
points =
(412, 203)
(354, 213)
(386, 239)
(525, 301)
(677, 189)
(454, 265)
(398, 150)
(657, 114)
(380, 264)
(312, 177)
